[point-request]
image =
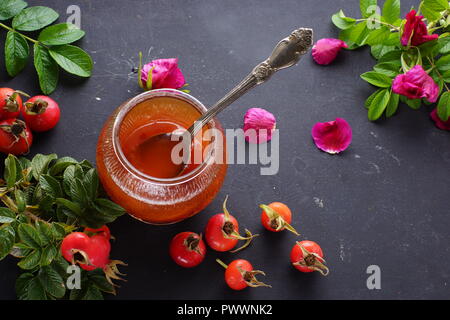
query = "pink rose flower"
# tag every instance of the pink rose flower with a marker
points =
(259, 125)
(165, 74)
(333, 136)
(415, 31)
(326, 50)
(444, 125)
(416, 84)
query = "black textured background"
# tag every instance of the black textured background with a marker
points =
(384, 201)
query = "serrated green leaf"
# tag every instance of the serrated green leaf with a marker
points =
(109, 208)
(44, 232)
(93, 293)
(22, 283)
(10, 8)
(52, 282)
(389, 69)
(29, 235)
(380, 50)
(48, 254)
(72, 59)
(379, 104)
(34, 18)
(377, 79)
(16, 53)
(431, 9)
(40, 163)
(391, 10)
(91, 183)
(59, 34)
(10, 173)
(341, 21)
(444, 45)
(391, 57)
(46, 68)
(7, 215)
(31, 261)
(443, 64)
(443, 107)
(367, 7)
(71, 173)
(78, 193)
(60, 165)
(58, 231)
(20, 200)
(35, 290)
(392, 105)
(378, 36)
(50, 185)
(7, 237)
(72, 206)
(357, 34)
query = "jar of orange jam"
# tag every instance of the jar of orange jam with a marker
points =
(139, 185)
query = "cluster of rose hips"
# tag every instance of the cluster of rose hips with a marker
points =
(39, 114)
(188, 249)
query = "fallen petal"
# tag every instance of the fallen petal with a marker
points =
(333, 136)
(259, 125)
(444, 125)
(326, 50)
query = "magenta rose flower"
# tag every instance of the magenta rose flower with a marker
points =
(333, 136)
(415, 31)
(164, 74)
(416, 84)
(326, 50)
(259, 125)
(444, 125)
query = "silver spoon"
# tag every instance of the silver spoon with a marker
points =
(285, 54)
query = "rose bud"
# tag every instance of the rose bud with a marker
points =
(326, 50)
(333, 136)
(444, 125)
(416, 84)
(259, 125)
(161, 73)
(415, 31)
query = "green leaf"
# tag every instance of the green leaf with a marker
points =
(70, 174)
(58, 231)
(51, 186)
(108, 207)
(31, 261)
(414, 103)
(10, 173)
(432, 9)
(45, 232)
(20, 200)
(58, 34)
(355, 35)
(97, 277)
(93, 293)
(367, 7)
(72, 59)
(378, 36)
(392, 105)
(389, 69)
(52, 282)
(91, 183)
(391, 57)
(34, 18)
(7, 237)
(7, 215)
(444, 45)
(10, 8)
(341, 21)
(379, 50)
(40, 164)
(369, 100)
(443, 107)
(48, 254)
(443, 64)
(22, 285)
(72, 206)
(16, 53)
(46, 68)
(29, 235)
(429, 48)
(77, 192)
(61, 164)
(377, 79)
(35, 290)
(391, 11)
(379, 104)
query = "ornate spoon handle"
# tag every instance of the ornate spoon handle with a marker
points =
(285, 54)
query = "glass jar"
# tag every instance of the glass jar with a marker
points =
(150, 199)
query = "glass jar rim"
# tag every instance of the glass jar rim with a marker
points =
(147, 95)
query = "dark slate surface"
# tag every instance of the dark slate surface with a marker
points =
(384, 201)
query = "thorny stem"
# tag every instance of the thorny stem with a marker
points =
(26, 37)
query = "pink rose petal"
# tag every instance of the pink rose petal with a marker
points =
(259, 125)
(326, 50)
(444, 125)
(165, 74)
(333, 136)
